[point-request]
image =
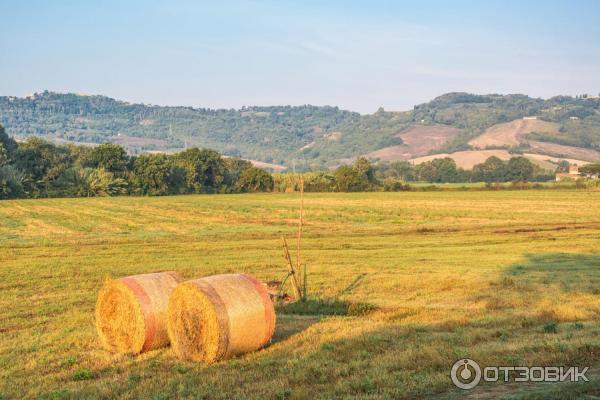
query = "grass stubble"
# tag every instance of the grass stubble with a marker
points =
(401, 284)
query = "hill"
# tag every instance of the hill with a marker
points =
(318, 136)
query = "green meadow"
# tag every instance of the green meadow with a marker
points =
(400, 285)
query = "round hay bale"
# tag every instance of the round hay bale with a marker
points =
(131, 312)
(217, 317)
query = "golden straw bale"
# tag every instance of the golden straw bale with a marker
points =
(131, 312)
(217, 317)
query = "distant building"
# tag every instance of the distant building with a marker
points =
(573, 118)
(571, 175)
(529, 118)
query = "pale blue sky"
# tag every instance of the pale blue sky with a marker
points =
(358, 55)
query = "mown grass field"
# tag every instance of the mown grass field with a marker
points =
(505, 278)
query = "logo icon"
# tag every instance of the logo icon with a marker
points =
(465, 374)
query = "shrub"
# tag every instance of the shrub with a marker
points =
(551, 327)
(83, 375)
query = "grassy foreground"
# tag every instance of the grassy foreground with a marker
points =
(505, 278)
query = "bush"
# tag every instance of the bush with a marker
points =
(83, 375)
(255, 180)
(551, 327)
(358, 177)
(394, 185)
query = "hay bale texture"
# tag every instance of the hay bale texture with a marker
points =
(131, 312)
(220, 316)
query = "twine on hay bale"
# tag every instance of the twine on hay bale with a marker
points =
(220, 316)
(131, 312)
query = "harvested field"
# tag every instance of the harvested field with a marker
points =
(559, 150)
(419, 140)
(266, 165)
(467, 159)
(401, 285)
(512, 133)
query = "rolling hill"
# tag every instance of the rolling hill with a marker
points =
(512, 133)
(322, 136)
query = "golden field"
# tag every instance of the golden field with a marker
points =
(420, 279)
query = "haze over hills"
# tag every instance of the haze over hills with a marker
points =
(463, 126)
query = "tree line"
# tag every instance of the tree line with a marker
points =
(445, 170)
(363, 175)
(37, 168)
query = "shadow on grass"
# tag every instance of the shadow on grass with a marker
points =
(571, 272)
(290, 325)
(321, 307)
(293, 318)
(355, 283)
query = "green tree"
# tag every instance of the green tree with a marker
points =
(152, 173)
(255, 180)
(234, 167)
(111, 157)
(365, 170)
(347, 180)
(404, 170)
(3, 156)
(357, 177)
(492, 170)
(11, 182)
(591, 169)
(426, 172)
(563, 166)
(446, 169)
(42, 162)
(76, 182)
(519, 169)
(104, 183)
(319, 182)
(9, 144)
(204, 170)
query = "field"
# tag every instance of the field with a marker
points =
(419, 280)
(418, 140)
(512, 133)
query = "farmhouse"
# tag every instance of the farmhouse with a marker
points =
(572, 174)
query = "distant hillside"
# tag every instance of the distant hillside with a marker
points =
(317, 136)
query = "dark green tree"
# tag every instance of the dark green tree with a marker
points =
(360, 176)
(234, 167)
(151, 174)
(492, 170)
(105, 183)
(255, 180)
(446, 169)
(519, 169)
(3, 156)
(346, 179)
(9, 144)
(111, 157)
(42, 162)
(591, 169)
(426, 172)
(404, 170)
(563, 166)
(204, 170)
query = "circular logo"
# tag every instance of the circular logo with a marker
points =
(465, 374)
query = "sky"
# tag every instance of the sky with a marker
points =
(358, 55)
